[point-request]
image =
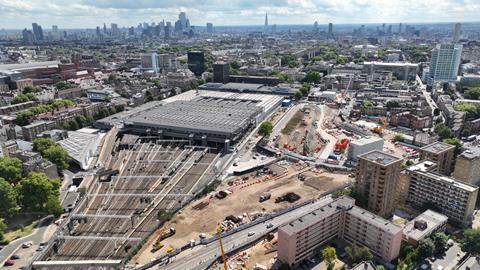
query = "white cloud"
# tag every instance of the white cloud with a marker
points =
(90, 13)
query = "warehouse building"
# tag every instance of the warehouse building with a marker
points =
(340, 218)
(204, 117)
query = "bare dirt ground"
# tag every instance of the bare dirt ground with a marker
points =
(244, 199)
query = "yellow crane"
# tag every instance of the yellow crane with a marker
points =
(224, 258)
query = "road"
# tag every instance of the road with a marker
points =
(427, 95)
(203, 256)
(450, 259)
(329, 147)
(36, 237)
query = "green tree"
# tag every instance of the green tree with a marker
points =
(35, 190)
(399, 138)
(426, 248)
(443, 131)
(313, 77)
(358, 254)
(265, 128)
(471, 241)
(298, 95)
(8, 199)
(3, 227)
(42, 144)
(329, 255)
(57, 155)
(53, 206)
(473, 93)
(455, 142)
(11, 169)
(440, 240)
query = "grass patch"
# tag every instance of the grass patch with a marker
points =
(292, 124)
(10, 236)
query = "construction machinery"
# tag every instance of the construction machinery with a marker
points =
(341, 146)
(384, 125)
(224, 258)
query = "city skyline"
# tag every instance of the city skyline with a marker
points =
(89, 14)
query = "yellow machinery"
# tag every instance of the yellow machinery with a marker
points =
(380, 129)
(224, 258)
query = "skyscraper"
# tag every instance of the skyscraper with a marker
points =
(456, 32)
(266, 23)
(115, 31)
(377, 176)
(55, 33)
(445, 62)
(400, 28)
(209, 28)
(28, 37)
(182, 17)
(330, 29)
(37, 32)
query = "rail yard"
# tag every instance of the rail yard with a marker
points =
(142, 180)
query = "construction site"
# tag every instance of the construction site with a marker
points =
(142, 182)
(241, 200)
(300, 135)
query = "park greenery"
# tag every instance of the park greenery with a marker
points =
(472, 93)
(24, 117)
(471, 241)
(411, 256)
(21, 98)
(312, 77)
(64, 85)
(24, 193)
(289, 61)
(472, 110)
(53, 152)
(265, 128)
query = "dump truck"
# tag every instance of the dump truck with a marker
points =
(167, 233)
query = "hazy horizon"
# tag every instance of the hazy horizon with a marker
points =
(87, 14)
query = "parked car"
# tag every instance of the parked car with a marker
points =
(251, 233)
(27, 244)
(14, 257)
(9, 263)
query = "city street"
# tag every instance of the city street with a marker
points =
(203, 256)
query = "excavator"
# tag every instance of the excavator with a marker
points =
(380, 129)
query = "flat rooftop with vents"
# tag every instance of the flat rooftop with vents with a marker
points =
(437, 147)
(215, 119)
(380, 157)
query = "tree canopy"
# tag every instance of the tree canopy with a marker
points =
(8, 199)
(471, 241)
(11, 169)
(473, 93)
(37, 192)
(313, 77)
(265, 128)
(330, 255)
(53, 152)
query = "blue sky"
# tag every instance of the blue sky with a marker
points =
(90, 13)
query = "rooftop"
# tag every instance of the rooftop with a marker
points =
(365, 266)
(433, 221)
(206, 114)
(471, 153)
(367, 140)
(471, 263)
(437, 147)
(424, 168)
(380, 157)
(12, 67)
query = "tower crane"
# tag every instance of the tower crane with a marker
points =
(224, 258)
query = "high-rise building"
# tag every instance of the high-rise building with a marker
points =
(55, 33)
(467, 166)
(400, 28)
(330, 29)
(37, 32)
(338, 218)
(441, 153)
(221, 72)
(456, 32)
(150, 62)
(196, 62)
(27, 36)
(376, 180)
(115, 30)
(182, 17)
(105, 28)
(423, 187)
(98, 32)
(209, 27)
(315, 27)
(445, 62)
(265, 26)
